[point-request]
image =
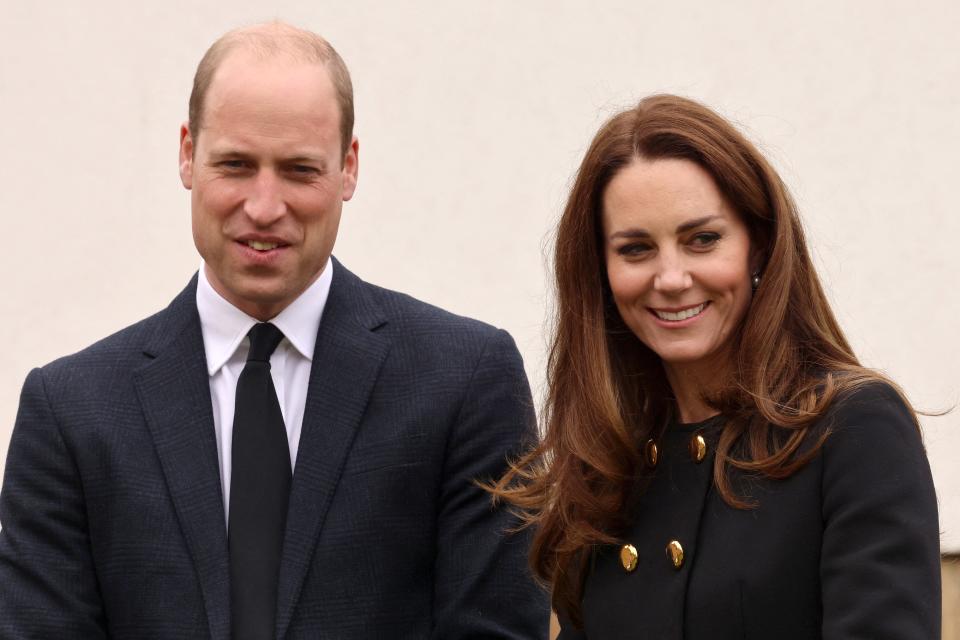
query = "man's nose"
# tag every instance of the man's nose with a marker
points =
(265, 203)
(672, 275)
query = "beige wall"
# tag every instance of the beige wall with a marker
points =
(472, 118)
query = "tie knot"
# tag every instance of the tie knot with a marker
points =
(264, 338)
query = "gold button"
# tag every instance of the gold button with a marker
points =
(628, 557)
(698, 448)
(675, 554)
(650, 453)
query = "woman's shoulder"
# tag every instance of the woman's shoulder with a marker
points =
(873, 439)
(873, 408)
(880, 547)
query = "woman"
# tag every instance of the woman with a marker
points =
(716, 462)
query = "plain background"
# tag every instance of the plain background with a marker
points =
(472, 119)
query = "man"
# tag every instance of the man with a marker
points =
(285, 451)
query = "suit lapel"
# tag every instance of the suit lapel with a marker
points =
(346, 361)
(174, 391)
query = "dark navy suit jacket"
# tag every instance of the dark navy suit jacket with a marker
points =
(112, 513)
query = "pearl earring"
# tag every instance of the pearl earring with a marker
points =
(755, 280)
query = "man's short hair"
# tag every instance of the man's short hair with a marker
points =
(270, 40)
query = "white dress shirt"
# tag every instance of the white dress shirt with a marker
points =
(226, 346)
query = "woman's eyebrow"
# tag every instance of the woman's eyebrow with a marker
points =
(693, 224)
(636, 232)
(630, 233)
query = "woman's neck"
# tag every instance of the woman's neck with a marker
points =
(691, 383)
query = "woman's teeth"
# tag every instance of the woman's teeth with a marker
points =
(680, 315)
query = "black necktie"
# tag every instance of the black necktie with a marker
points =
(259, 492)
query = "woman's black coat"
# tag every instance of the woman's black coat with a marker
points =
(847, 547)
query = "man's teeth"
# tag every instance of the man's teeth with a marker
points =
(261, 246)
(680, 315)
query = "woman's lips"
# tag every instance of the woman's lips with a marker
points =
(679, 317)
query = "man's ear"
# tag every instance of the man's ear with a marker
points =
(186, 156)
(351, 168)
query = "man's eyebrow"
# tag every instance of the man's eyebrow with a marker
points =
(301, 158)
(636, 232)
(228, 152)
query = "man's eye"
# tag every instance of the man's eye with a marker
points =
(704, 240)
(304, 170)
(233, 164)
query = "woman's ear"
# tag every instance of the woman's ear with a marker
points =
(758, 252)
(756, 262)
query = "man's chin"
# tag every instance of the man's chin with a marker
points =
(261, 298)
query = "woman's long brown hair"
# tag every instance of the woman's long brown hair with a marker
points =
(608, 392)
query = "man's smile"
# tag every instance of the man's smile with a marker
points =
(262, 246)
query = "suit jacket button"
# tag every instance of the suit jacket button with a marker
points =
(650, 453)
(628, 557)
(698, 448)
(675, 554)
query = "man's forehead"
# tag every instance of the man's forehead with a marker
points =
(242, 56)
(278, 94)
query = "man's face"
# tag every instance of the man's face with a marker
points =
(267, 179)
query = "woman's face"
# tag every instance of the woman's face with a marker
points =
(678, 260)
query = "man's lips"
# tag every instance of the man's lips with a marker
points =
(262, 243)
(679, 314)
(261, 246)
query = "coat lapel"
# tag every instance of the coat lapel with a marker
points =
(174, 391)
(346, 361)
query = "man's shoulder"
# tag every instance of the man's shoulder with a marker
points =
(399, 312)
(124, 348)
(427, 333)
(409, 312)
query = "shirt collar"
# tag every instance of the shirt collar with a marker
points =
(224, 326)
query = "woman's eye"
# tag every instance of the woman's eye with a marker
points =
(704, 240)
(634, 250)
